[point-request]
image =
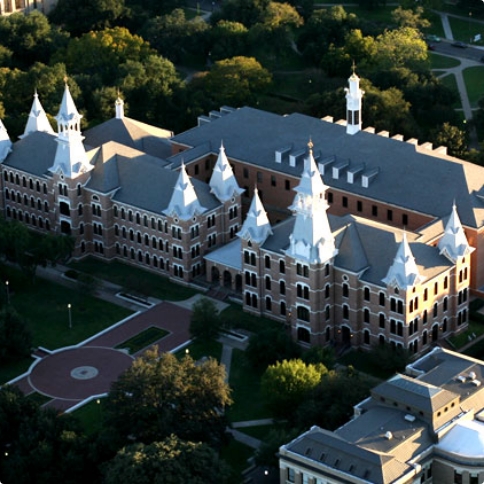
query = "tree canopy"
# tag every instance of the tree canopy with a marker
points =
(170, 461)
(205, 321)
(160, 395)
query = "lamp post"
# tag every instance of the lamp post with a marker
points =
(70, 315)
(8, 292)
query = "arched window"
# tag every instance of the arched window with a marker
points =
(302, 313)
(303, 335)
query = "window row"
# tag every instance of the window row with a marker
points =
(9, 176)
(25, 200)
(28, 218)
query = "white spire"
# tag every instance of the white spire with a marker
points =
(403, 273)
(222, 182)
(5, 143)
(354, 96)
(311, 238)
(184, 201)
(453, 243)
(37, 119)
(119, 108)
(70, 156)
(256, 226)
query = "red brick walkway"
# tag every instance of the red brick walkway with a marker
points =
(96, 364)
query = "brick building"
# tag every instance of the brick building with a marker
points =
(379, 247)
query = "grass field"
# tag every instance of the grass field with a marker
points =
(465, 29)
(451, 83)
(143, 340)
(474, 79)
(442, 62)
(134, 279)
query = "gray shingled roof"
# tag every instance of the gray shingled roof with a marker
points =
(132, 133)
(333, 451)
(408, 178)
(414, 393)
(141, 180)
(33, 154)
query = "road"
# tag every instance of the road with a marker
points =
(445, 47)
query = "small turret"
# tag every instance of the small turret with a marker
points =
(119, 108)
(5, 143)
(403, 273)
(256, 226)
(222, 182)
(354, 95)
(37, 120)
(453, 243)
(184, 202)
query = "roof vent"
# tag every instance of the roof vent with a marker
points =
(409, 418)
(388, 435)
(308, 451)
(472, 375)
(328, 119)
(385, 134)
(476, 383)
(461, 378)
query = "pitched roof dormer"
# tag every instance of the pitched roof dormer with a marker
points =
(37, 120)
(222, 182)
(5, 143)
(256, 226)
(311, 238)
(403, 273)
(70, 156)
(453, 243)
(184, 202)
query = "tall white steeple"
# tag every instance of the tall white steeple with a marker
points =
(256, 226)
(354, 95)
(37, 120)
(70, 156)
(311, 238)
(403, 273)
(222, 182)
(5, 143)
(184, 202)
(453, 243)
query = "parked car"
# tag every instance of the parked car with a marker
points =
(433, 38)
(458, 43)
(431, 46)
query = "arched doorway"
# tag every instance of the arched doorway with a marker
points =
(227, 279)
(346, 335)
(303, 335)
(238, 283)
(435, 333)
(215, 275)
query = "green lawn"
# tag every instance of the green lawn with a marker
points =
(436, 27)
(474, 79)
(462, 339)
(451, 83)
(90, 416)
(245, 382)
(235, 454)
(143, 340)
(359, 360)
(464, 29)
(12, 370)
(382, 15)
(134, 279)
(198, 350)
(441, 61)
(234, 317)
(44, 305)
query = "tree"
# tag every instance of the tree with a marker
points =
(410, 18)
(205, 322)
(167, 462)
(452, 137)
(286, 384)
(228, 39)
(38, 445)
(15, 336)
(271, 345)
(235, 81)
(330, 404)
(320, 354)
(160, 395)
(266, 454)
(79, 18)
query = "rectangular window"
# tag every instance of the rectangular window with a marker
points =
(259, 177)
(404, 219)
(374, 210)
(273, 181)
(246, 172)
(330, 197)
(390, 215)
(359, 206)
(345, 201)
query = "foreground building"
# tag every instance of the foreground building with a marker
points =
(423, 427)
(8, 7)
(351, 237)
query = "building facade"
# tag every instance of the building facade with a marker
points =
(114, 197)
(420, 428)
(353, 238)
(7, 7)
